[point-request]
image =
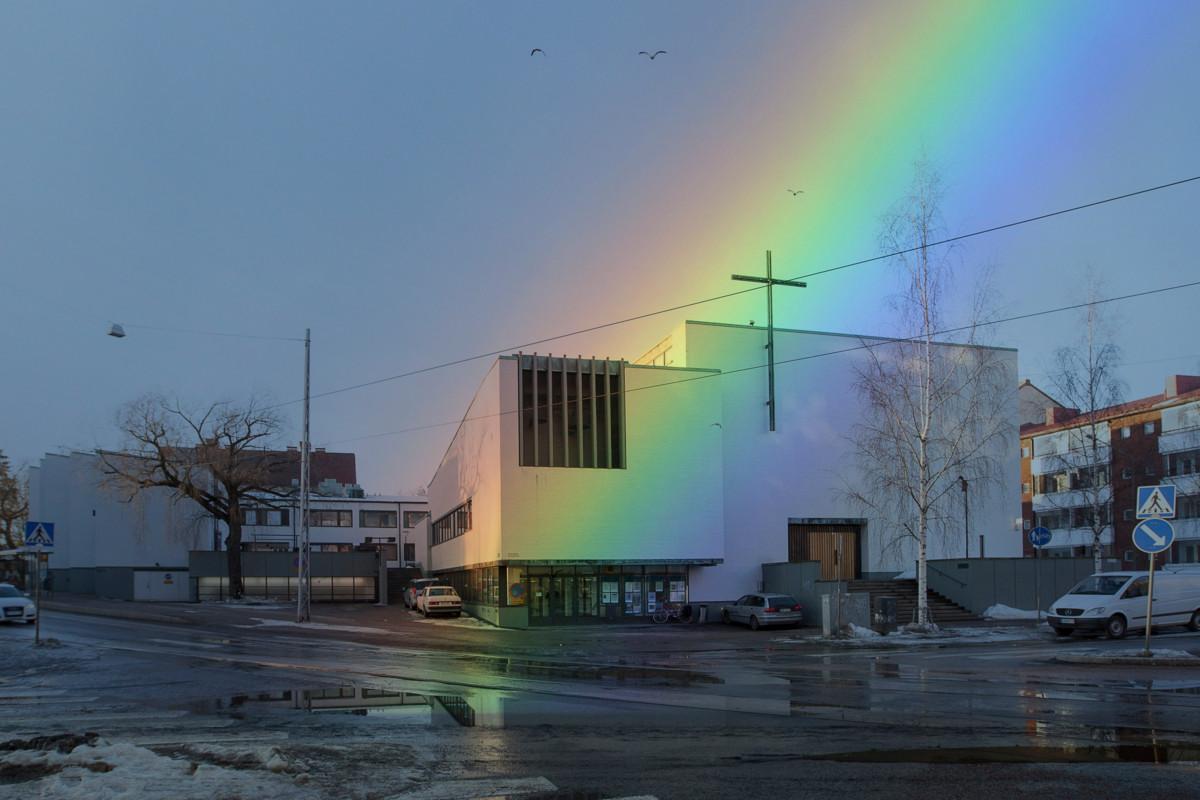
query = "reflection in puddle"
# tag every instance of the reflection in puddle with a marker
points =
(360, 701)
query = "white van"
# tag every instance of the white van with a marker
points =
(1115, 602)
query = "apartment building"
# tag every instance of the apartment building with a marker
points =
(1070, 462)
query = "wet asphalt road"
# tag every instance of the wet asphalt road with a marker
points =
(679, 711)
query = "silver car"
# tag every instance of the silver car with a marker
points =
(762, 609)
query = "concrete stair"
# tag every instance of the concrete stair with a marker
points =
(942, 610)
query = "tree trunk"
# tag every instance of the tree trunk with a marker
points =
(234, 551)
(922, 576)
(1097, 555)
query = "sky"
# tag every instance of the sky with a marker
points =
(408, 182)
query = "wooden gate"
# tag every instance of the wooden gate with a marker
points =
(835, 546)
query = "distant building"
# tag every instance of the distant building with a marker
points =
(581, 489)
(137, 546)
(1147, 441)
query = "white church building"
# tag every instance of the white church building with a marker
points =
(580, 489)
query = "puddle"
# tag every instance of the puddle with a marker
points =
(355, 700)
(654, 676)
(1147, 753)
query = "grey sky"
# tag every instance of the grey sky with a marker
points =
(405, 180)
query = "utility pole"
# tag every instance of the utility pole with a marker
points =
(771, 283)
(966, 520)
(302, 595)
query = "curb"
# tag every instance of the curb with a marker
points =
(1128, 661)
(117, 613)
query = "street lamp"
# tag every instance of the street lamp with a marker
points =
(303, 600)
(962, 482)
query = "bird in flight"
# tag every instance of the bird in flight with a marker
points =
(796, 191)
(537, 50)
(653, 55)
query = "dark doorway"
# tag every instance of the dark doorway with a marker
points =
(838, 547)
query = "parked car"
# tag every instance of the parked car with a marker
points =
(415, 587)
(762, 609)
(1115, 602)
(439, 600)
(15, 606)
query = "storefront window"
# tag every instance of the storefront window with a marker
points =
(515, 586)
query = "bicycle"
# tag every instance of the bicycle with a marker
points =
(667, 612)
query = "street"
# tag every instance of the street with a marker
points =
(378, 703)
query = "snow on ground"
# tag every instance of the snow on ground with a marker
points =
(907, 575)
(1001, 611)
(107, 771)
(859, 632)
(289, 623)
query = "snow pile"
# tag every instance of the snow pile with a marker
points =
(853, 631)
(459, 622)
(107, 770)
(907, 575)
(1001, 611)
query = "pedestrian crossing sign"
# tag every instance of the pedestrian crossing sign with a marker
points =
(39, 534)
(1156, 501)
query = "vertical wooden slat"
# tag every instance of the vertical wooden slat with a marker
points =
(579, 409)
(592, 375)
(566, 458)
(550, 408)
(537, 414)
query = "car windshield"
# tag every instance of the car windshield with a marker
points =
(8, 591)
(441, 591)
(781, 601)
(1100, 585)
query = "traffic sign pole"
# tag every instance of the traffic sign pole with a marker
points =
(37, 576)
(1149, 606)
(1037, 582)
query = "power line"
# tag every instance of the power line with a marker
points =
(877, 342)
(727, 295)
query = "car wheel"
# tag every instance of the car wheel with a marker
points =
(1116, 627)
(754, 623)
(1063, 632)
(1194, 622)
(725, 617)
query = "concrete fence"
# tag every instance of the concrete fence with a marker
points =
(978, 583)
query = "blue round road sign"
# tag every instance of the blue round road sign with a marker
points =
(1153, 535)
(1040, 537)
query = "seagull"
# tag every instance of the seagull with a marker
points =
(653, 55)
(796, 191)
(537, 50)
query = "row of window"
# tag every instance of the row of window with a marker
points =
(386, 544)
(1079, 441)
(1186, 507)
(453, 525)
(331, 518)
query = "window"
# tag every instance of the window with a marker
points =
(376, 519)
(1148, 428)
(1186, 462)
(1025, 451)
(272, 517)
(413, 518)
(453, 525)
(1125, 432)
(571, 412)
(1128, 514)
(1126, 473)
(1149, 470)
(332, 547)
(386, 544)
(330, 518)
(410, 552)
(1027, 524)
(1025, 488)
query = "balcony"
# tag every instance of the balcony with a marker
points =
(1072, 459)
(1076, 498)
(1179, 440)
(1184, 484)
(1078, 537)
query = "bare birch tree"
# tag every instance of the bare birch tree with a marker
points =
(935, 410)
(1085, 379)
(14, 505)
(217, 457)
